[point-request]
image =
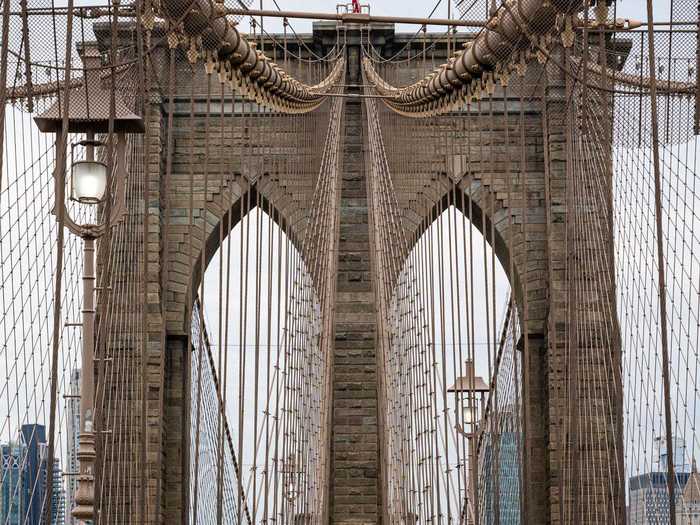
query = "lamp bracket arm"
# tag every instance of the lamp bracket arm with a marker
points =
(119, 210)
(60, 193)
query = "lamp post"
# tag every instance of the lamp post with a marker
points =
(90, 114)
(473, 391)
(289, 471)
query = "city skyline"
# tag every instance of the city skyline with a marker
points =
(23, 480)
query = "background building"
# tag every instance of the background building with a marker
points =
(649, 498)
(73, 415)
(58, 495)
(688, 512)
(508, 475)
(648, 492)
(12, 502)
(33, 477)
(23, 485)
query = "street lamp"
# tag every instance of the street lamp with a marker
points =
(473, 390)
(89, 113)
(290, 474)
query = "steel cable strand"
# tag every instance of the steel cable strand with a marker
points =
(400, 52)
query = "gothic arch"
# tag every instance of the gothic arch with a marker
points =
(481, 220)
(247, 202)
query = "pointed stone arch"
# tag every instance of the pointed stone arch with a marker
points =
(532, 237)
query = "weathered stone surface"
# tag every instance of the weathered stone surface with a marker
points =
(355, 481)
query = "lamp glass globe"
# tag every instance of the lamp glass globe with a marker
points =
(88, 181)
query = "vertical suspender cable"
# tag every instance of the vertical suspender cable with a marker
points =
(192, 300)
(203, 247)
(59, 174)
(661, 261)
(227, 295)
(27, 59)
(697, 84)
(223, 232)
(105, 251)
(145, 92)
(572, 305)
(525, 351)
(3, 76)
(608, 104)
(104, 255)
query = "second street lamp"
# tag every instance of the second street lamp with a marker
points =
(472, 390)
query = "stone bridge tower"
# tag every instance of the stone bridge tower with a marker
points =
(539, 283)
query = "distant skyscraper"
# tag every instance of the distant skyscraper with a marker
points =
(12, 498)
(508, 475)
(33, 477)
(58, 495)
(24, 479)
(73, 414)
